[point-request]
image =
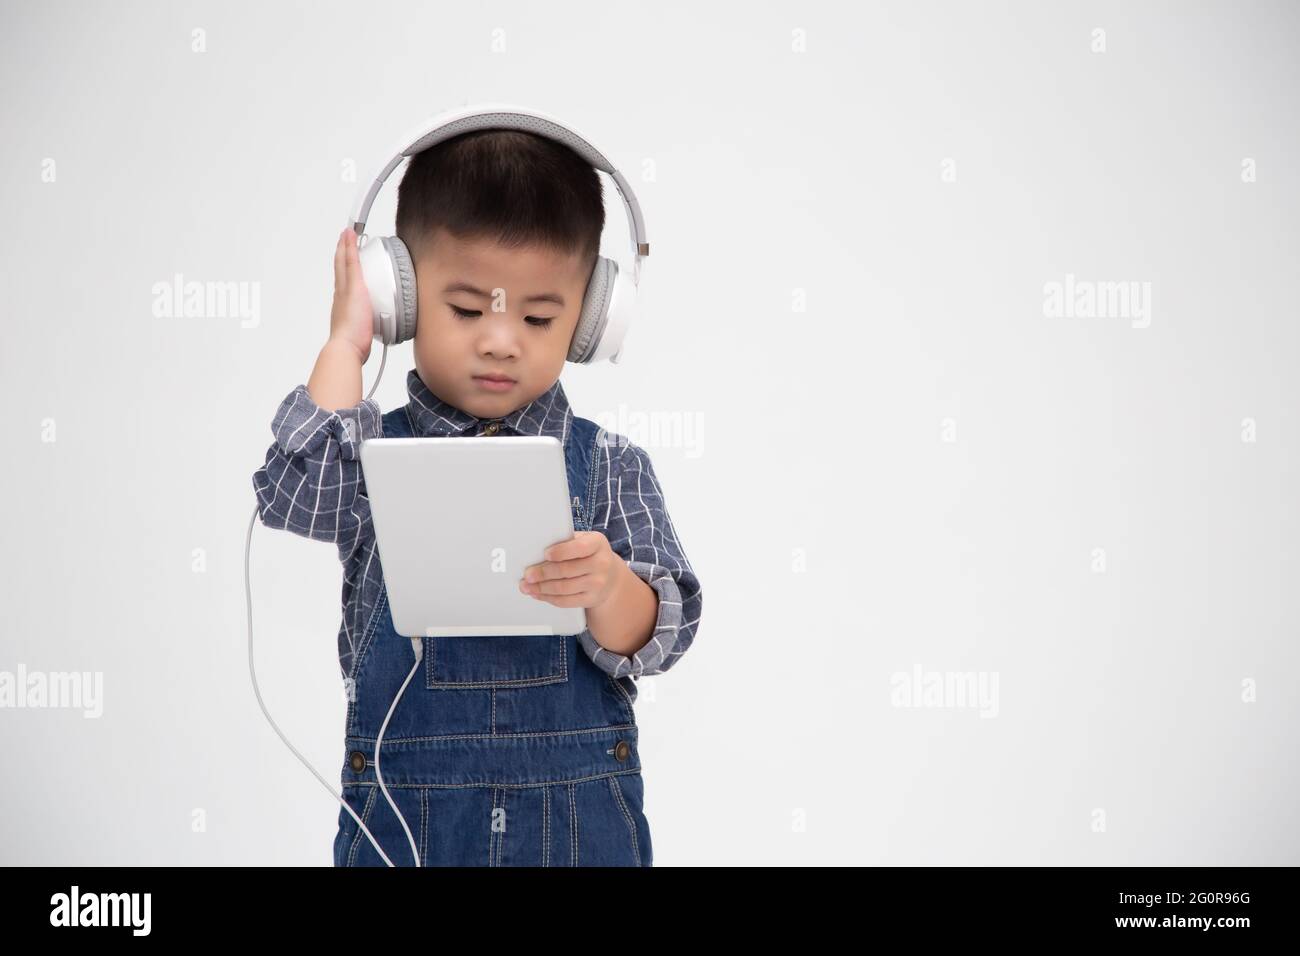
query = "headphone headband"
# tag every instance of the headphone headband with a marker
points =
(503, 116)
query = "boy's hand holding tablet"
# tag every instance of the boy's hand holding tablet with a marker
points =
(580, 572)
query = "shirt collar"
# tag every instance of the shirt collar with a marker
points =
(547, 414)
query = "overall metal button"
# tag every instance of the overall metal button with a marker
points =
(621, 751)
(357, 760)
(491, 428)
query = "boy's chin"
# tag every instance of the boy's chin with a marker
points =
(483, 404)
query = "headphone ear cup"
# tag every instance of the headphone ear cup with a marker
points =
(595, 310)
(404, 297)
(624, 307)
(389, 275)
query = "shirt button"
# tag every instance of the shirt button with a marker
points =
(357, 761)
(621, 751)
(491, 428)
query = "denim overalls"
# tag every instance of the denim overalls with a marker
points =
(504, 751)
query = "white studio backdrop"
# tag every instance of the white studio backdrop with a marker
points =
(966, 367)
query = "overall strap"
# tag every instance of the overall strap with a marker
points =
(580, 453)
(397, 423)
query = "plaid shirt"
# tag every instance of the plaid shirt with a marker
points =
(312, 484)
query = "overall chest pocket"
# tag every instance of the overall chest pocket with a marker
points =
(524, 660)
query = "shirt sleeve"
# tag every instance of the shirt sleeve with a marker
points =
(311, 482)
(631, 511)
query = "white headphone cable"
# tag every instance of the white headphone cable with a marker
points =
(418, 647)
(248, 600)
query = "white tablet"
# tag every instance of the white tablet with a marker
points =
(457, 520)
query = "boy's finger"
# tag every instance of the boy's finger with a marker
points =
(577, 585)
(554, 570)
(582, 544)
(350, 246)
(340, 264)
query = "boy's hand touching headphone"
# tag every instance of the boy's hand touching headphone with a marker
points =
(581, 572)
(351, 316)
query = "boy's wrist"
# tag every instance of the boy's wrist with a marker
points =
(335, 380)
(624, 622)
(340, 344)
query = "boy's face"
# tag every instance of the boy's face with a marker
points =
(504, 331)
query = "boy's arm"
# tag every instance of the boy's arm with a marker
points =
(311, 482)
(631, 511)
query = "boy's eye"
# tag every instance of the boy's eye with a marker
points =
(533, 320)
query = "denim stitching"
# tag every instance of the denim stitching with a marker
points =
(492, 832)
(368, 634)
(593, 468)
(555, 677)
(489, 784)
(573, 826)
(365, 818)
(627, 815)
(546, 826)
(359, 654)
(517, 734)
(501, 834)
(629, 710)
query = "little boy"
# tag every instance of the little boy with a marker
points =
(506, 750)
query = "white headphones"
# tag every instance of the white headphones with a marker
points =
(610, 301)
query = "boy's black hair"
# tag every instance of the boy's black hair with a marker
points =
(514, 187)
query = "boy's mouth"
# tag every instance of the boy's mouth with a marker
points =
(495, 383)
